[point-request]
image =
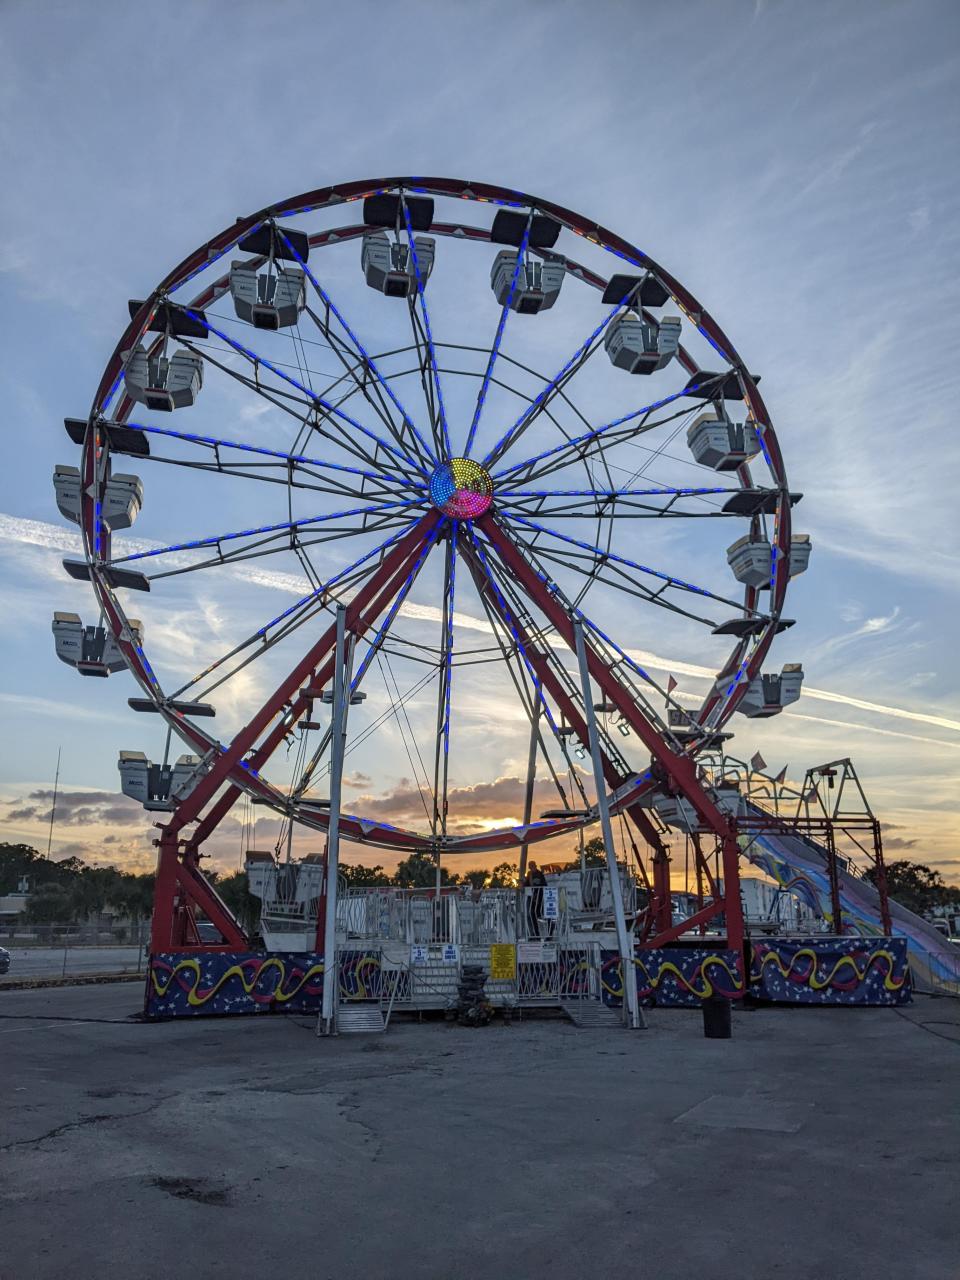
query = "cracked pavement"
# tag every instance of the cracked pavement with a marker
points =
(815, 1142)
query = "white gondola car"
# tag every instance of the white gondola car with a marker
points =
(270, 300)
(642, 346)
(122, 497)
(389, 266)
(162, 383)
(66, 487)
(676, 811)
(157, 786)
(722, 445)
(768, 695)
(92, 650)
(752, 563)
(538, 283)
(750, 560)
(800, 548)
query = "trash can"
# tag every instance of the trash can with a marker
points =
(716, 1018)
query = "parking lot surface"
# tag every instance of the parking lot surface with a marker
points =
(815, 1143)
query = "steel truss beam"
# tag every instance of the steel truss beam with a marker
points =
(679, 771)
(178, 874)
(572, 714)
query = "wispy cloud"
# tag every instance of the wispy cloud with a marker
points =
(38, 533)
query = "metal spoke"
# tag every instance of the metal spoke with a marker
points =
(368, 360)
(312, 396)
(421, 284)
(583, 352)
(285, 525)
(276, 397)
(590, 439)
(495, 349)
(678, 583)
(276, 544)
(610, 503)
(514, 605)
(511, 624)
(442, 749)
(618, 579)
(301, 606)
(575, 611)
(373, 649)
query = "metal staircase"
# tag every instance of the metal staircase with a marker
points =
(362, 1018)
(592, 1013)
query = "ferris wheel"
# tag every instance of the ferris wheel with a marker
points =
(510, 454)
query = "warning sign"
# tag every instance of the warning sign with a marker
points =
(503, 962)
(536, 953)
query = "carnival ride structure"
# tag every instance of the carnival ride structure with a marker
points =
(479, 497)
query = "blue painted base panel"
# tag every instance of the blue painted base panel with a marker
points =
(183, 984)
(818, 970)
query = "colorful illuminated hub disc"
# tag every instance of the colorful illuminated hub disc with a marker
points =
(461, 488)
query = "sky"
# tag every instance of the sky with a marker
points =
(790, 164)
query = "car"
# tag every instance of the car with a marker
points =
(4, 960)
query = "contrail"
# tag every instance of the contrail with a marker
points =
(55, 538)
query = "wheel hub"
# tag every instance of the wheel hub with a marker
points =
(461, 488)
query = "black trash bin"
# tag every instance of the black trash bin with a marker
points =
(716, 1018)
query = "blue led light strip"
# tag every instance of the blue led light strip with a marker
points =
(594, 434)
(421, 284)
(448, 656)
(368, 359)
(208, 262)
(495, 349)
(313, 396)
(396, 606)
(615, 493)
(508, 618)
(331, 582)
(557, 591)
(669, 579)
(261, 634)
(216, 539)
(215, 442)
(501, 447)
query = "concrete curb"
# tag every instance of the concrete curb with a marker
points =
(82, 980)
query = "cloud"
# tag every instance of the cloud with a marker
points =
(80, 809)
(493, 804)
(41, 534)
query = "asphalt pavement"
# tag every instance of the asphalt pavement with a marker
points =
(815, 1143)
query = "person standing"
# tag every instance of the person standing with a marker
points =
(535, 883)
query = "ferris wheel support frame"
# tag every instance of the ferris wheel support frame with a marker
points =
(178, 864)
(680, 771)
(180, 880)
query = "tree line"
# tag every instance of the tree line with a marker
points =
(70, 891)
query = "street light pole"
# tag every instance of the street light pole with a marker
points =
(633, 1016)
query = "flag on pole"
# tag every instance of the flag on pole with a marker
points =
(757, 762)
(671, 685)
(781, 776)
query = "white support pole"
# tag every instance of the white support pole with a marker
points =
(327, 1024)
(521, 899)
(631, 1005)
